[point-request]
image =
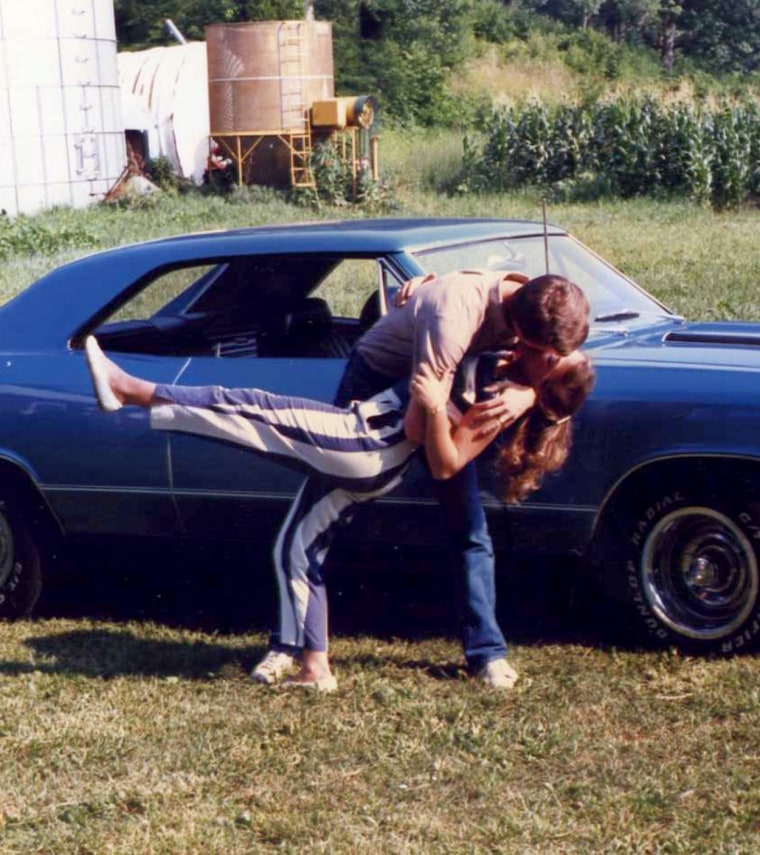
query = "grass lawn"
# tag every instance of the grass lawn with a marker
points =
(140, 736)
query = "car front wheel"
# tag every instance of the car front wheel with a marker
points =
(691, 568)
(20, 566)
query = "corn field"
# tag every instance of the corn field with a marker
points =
(623, 148)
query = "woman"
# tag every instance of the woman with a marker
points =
(360, 452)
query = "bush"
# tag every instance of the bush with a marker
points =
(59, 229)
(161, 172)
(589, 52)
(336, 184)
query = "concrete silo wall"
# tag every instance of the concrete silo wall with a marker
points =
(61, 130)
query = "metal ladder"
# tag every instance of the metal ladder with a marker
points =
(294, 118)
(300, 153)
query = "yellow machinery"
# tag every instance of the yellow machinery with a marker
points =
(344, 121)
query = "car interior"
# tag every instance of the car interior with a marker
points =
(248, 306)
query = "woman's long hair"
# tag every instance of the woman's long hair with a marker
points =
(540, 441)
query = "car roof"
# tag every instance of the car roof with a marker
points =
(390, 234)
(55, 304)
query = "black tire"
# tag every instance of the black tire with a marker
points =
(20, 565)
(688, 557)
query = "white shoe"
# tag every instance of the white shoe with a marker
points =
(96, 362)
(499, 674)
(272, 667)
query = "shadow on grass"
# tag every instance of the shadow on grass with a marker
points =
(230, 589)
(118, 652)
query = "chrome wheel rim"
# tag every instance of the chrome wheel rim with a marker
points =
(699, 573)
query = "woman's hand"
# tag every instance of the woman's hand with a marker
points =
(429, 390)
(512, 400)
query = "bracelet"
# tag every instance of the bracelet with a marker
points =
(433, 411)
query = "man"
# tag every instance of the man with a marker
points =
(439, 321)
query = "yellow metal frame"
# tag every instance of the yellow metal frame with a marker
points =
(299, 143)
(239, 152)
(236, 153)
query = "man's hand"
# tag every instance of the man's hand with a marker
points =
(508, 404)
(429, 390)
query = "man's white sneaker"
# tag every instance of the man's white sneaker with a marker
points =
(499, 674)
(272, 667)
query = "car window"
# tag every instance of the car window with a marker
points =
(164, 290)
(348, 286)
(260, 286)
(524, 256)
(606, 288)
(260, 305)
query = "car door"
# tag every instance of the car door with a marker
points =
(99, 474)
(299, 340)
(106, 473)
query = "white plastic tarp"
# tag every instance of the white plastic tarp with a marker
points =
(164, 94)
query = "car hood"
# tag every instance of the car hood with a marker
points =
(706, 344)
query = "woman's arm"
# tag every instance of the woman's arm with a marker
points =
(427, 420)
(448, 447)
(414, 422)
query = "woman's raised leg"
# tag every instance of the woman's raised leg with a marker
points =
(114, 387)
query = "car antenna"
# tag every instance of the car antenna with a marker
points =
(546, 233)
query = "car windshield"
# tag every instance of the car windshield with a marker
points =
(613, 297)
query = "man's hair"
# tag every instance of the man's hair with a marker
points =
(551, 310)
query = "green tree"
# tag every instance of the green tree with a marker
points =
(629, 20)
(140, 23)
(725, 36)
(400, 51)
(717, 35)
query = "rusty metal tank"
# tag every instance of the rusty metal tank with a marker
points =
(264, 75)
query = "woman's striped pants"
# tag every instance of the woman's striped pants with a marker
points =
(353, 455)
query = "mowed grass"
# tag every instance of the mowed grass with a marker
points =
(139, 738)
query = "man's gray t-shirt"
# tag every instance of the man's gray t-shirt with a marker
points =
(444, 318)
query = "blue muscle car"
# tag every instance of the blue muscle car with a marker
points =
(660, 493)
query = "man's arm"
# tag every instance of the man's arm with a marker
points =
(449, 313)
(511, 282)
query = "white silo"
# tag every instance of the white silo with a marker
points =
(61, 129)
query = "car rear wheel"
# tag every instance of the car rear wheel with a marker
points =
(20, 565)
(691, 568)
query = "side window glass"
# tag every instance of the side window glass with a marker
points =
(348, 286)
(159, 293)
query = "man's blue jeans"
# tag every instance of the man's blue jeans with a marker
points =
(470, 547)
(472, 559)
